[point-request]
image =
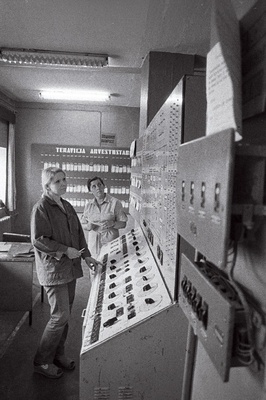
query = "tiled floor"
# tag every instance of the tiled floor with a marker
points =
(18, 343)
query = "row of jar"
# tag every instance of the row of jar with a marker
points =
(81, 202)
(83, 167)
(76, 188)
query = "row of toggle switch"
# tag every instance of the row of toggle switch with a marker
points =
(119, 311)
(198, 305)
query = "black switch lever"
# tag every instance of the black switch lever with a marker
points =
(110, 322)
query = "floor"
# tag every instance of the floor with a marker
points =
(18, 343)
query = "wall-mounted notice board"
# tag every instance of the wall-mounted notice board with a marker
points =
(81, 163)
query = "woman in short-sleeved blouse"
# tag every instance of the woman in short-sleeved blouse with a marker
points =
(103, 216)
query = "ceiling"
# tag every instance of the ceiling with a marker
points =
(126, 30)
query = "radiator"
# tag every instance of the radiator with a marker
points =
(5, 226)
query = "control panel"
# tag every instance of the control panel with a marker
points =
(128, 289)
(134, 335)
(220, 193)
(204, 191)
(161, 141)
(154, 158)
(215, 312)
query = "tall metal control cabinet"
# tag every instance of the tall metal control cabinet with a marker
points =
(134, 333)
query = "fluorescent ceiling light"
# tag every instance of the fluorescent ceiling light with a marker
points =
(32, 57)
(76, 95)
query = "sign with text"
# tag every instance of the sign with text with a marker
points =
(80, 164)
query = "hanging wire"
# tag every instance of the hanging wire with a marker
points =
(244, 337)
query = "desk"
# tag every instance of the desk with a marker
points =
(16, 275)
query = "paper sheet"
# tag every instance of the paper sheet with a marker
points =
(223, 78)
(21, 250)
(4, 246)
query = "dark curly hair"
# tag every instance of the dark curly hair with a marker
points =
(94, 179)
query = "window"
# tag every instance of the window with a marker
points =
(3, 160)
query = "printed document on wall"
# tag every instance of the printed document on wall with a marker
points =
(223, 80)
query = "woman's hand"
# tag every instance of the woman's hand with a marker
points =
(73, 253)
(92, 263)
(89, 226)
(107, 225)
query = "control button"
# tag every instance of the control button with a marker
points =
(112, 286)
(130, 298)
(149, 300)
(191, 295)
(184, 283)
(129, 287)
(196, 303)
(203, 314)
(142, 269)
(132, 314)
(110, 322)
(119, 312)
(187, 289)
(146, 287)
